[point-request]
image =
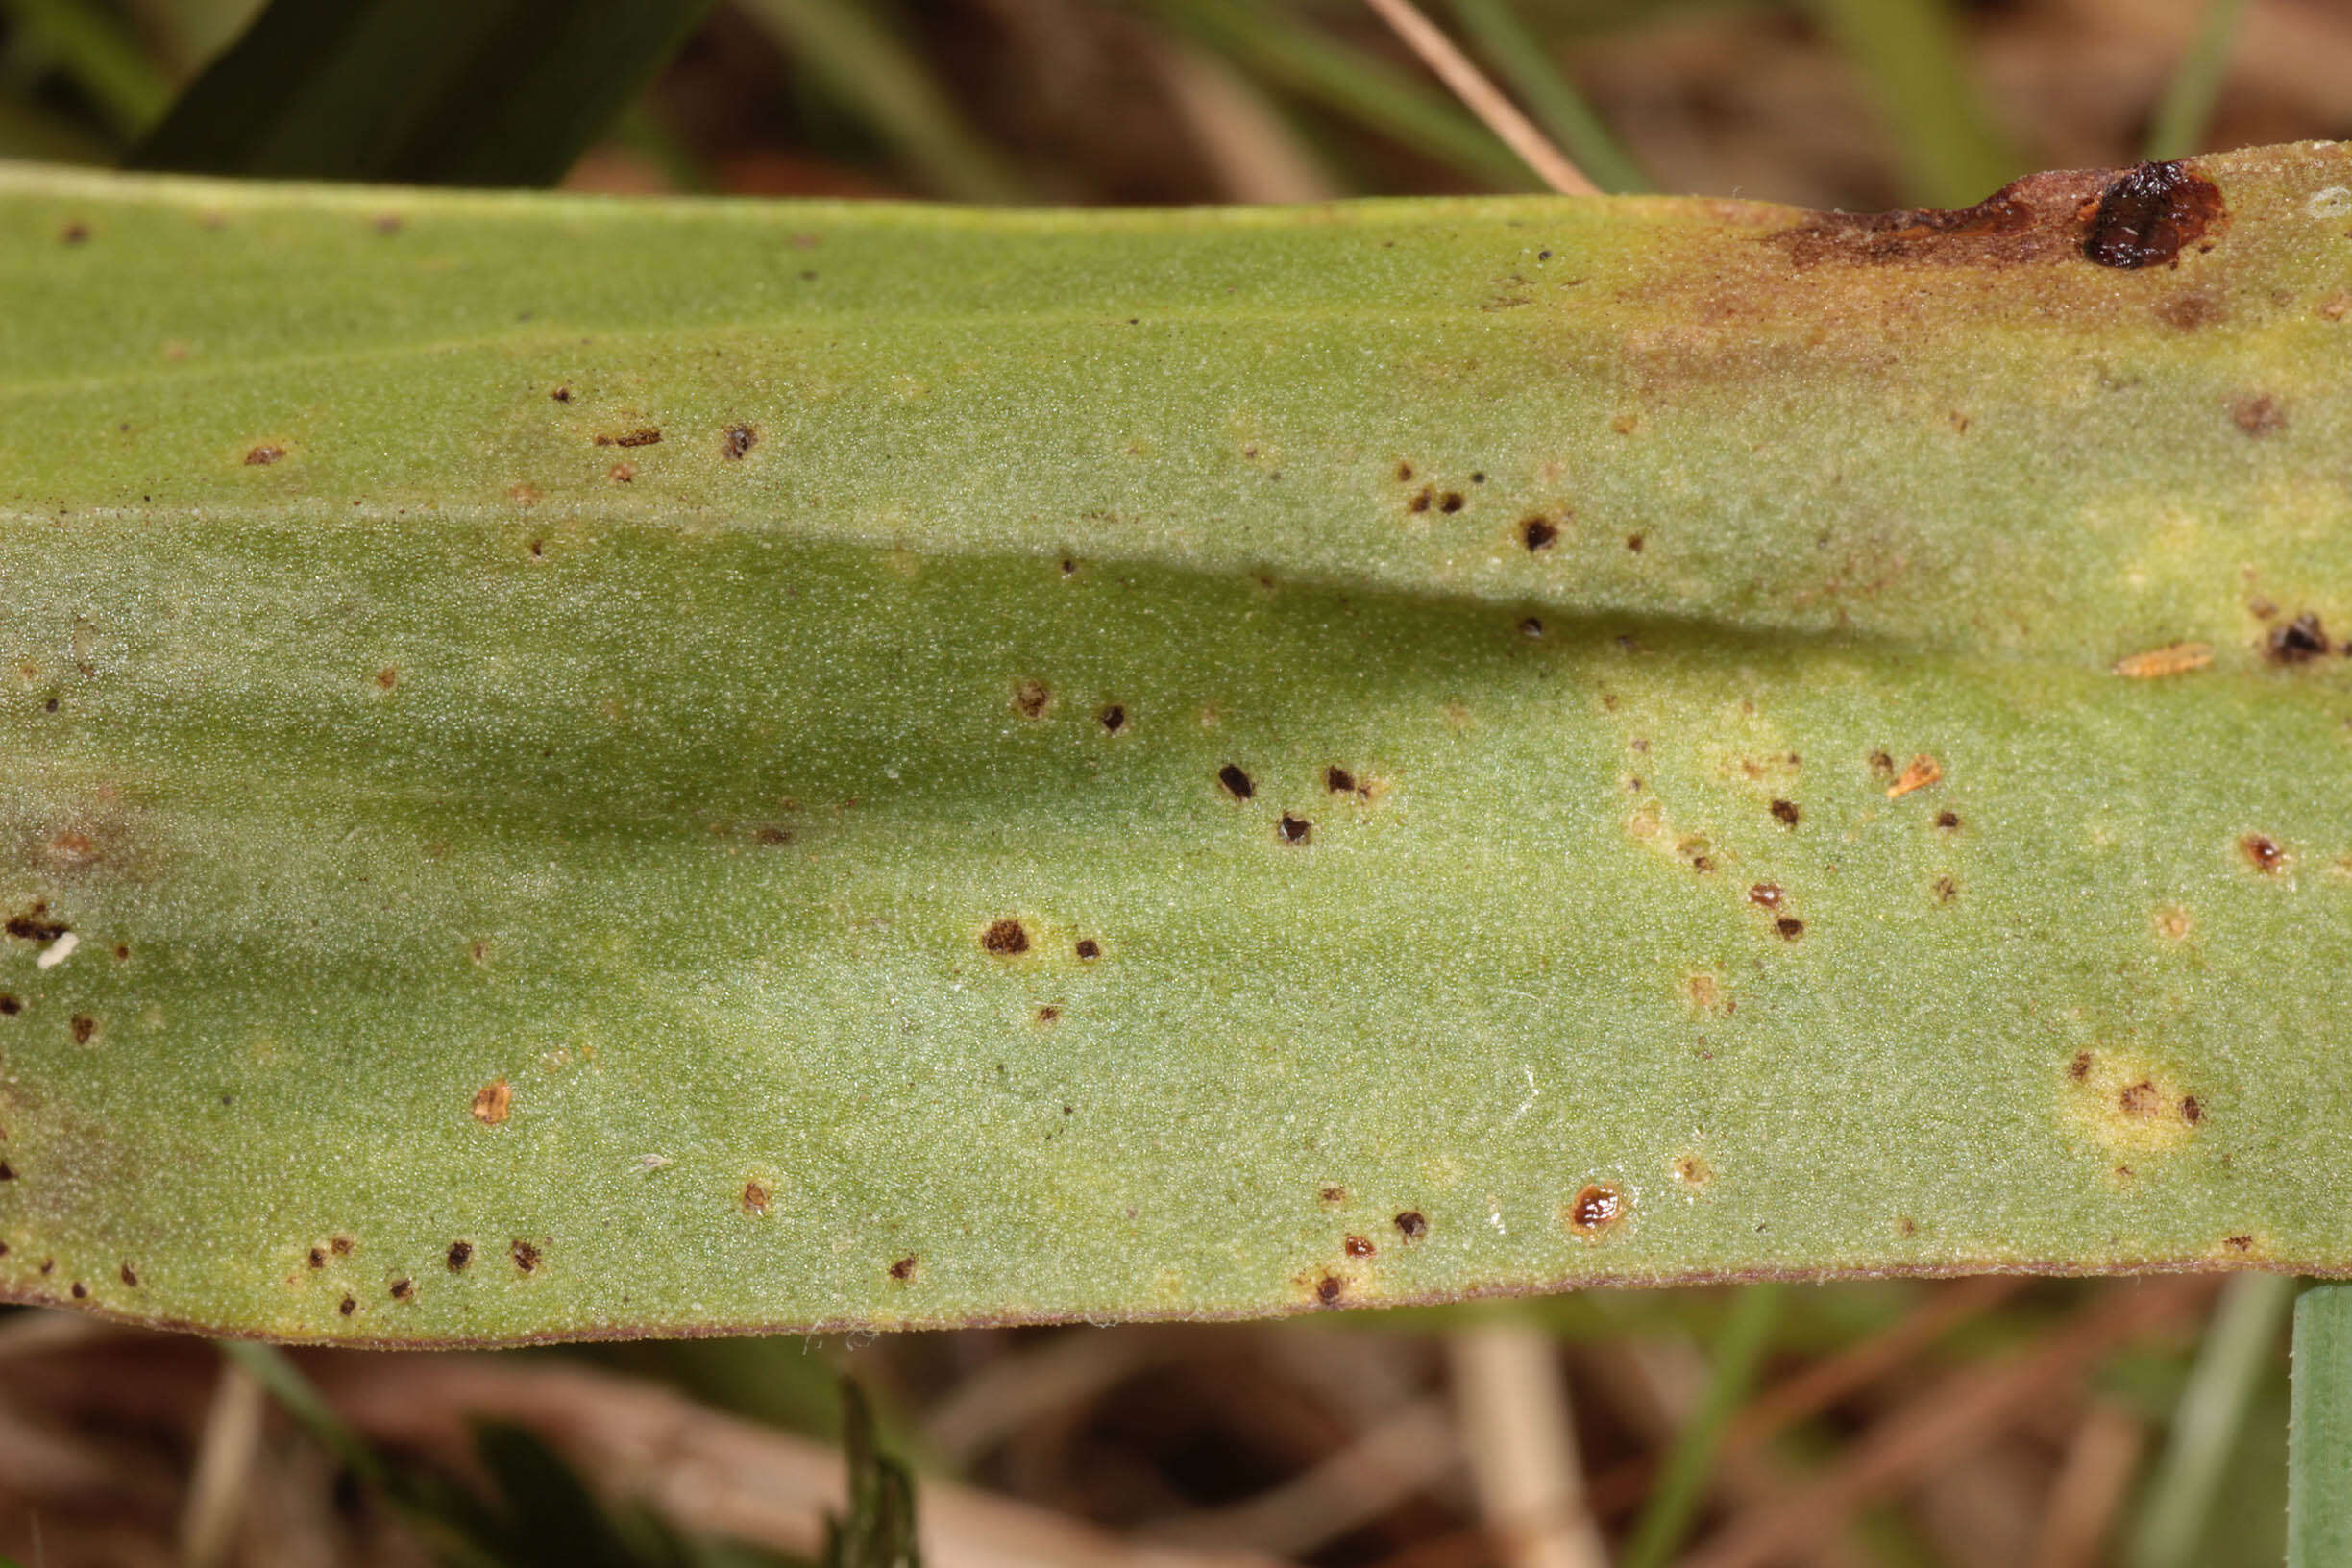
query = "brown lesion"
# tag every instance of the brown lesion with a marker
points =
(2130, 219)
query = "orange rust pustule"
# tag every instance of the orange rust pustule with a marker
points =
(2149, 214)
(2138, 217)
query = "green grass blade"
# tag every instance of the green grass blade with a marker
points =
(1680, 1487)
(98, 52)
(2187, 106)
(2238, 1349)
(879, 1529)
(888, 85)
(2319, 1431)
(480, 92)
(271, 1368)
(624, 768)
(1350, 83)
(1912, 55)
(1497, 32)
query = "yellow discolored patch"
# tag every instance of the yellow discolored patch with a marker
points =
(2173, 659)
(1690, 1171)
(1706, 995)
(2128, 1104)
(1922, 771)
(2173, 923)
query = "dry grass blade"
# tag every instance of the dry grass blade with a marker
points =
(1946, 1420)
(714, 1473)
(1351, 1488)
(1069, 1369)
(1825, 1382)
(2092, 1482)
(1514, 1417)
(224, 1469)
(1483, 98)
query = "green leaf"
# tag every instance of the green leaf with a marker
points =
(619, 767)
(2319, 1431)
(878, 1532)
(1913, 58)
(860, 57)
(2187, 110)
(467, 92)
(2240, 1345)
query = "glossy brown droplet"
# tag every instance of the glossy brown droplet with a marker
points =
(2149, 213)
(1594, 1210)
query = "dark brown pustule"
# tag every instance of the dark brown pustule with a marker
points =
(2299, 642)
(2148, 215)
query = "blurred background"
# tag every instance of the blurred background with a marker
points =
(1995, 1422)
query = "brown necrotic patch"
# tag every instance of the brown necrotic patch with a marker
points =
(1785, 813)
(2262, 851)
(2139, 217)
(460, 1253)
(10, 1006)
(903, 1269)
(1338, 781)
(1539, 533)
(2039, 218)
(2258, 414)
(1595, 1211)
(2299, 641)
(35, 923)
(1295, 829)
(493, 1102)
(1005, 938)
(1089, 950)
(346, 1306)
(754, 1198)
(526, 1256)
(403, 1289)
(1790, 927)
(1112, 719)
(2191, 309)
(1411, 1225)
(1765, 896)
(1329, 1289)
(1358, 1246)
(1031, 698)
(84, 1028)
(737, 441)
(263, 455)
(644, 436)
(128, 1275)
(1236, 782)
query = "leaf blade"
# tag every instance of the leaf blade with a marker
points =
(685, 809)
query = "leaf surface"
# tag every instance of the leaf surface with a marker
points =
(584, 768)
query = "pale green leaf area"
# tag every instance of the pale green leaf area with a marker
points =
(379, 742)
